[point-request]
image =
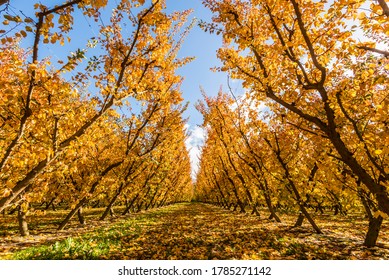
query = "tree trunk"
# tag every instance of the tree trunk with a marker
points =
(320, 209)
(365, 205)
(238, 201)
(51, 203)
(97, 204)
(373, 231)
(302, 207)
(378, 190)
(85, 199)
(81, 216)
(242, 207)
(273, 215)
(139, 207)
(130, 205)
(12, 211)
(269, 204)
(300, 220)
(293, 189)
(111, 203)
(152, 199)
(23, 226)
(72, 213)
(255, 210)
(310, 220)
(336, 210)
(23, 185)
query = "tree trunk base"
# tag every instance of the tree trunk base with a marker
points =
(373, 231)
(299, 221)
(23, 226)
(80, 216)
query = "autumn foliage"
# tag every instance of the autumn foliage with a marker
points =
(101, 125)
(102, 129)
(321, 141)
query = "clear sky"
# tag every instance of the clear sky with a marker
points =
(197, 44)
(203, 46)
(197, 74)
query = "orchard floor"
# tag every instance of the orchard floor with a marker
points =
(197, 231)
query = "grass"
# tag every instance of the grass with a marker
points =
(89, 246)
(91, 241)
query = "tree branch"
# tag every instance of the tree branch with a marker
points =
(384, 53)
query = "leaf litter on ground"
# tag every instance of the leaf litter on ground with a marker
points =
(193, 231)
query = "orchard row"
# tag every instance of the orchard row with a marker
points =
(311, 132)
(90, 130)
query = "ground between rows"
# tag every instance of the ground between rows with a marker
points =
(200, 231)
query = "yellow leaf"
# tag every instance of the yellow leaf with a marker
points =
(380, 213)
(32, 66)
(361, 15)
(378, 152)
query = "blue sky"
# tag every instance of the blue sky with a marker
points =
(203, 46)
(197, 74)
(198, 44)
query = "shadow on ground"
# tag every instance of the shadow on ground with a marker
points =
(201, 231)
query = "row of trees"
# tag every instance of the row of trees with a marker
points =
(322, 140)
(62, 138)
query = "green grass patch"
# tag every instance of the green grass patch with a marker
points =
(91, 246)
